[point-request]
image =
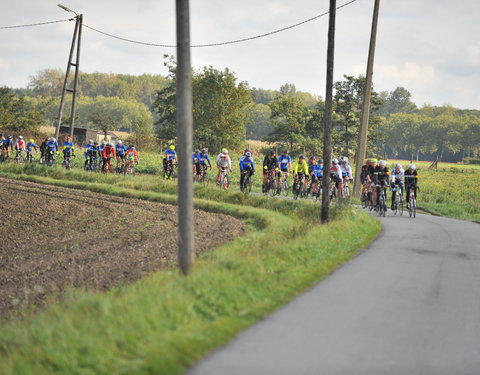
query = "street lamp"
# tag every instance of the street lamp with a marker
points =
(76, 64)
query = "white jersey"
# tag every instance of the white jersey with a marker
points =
(224, 162)
(397, 176)
(346, 171)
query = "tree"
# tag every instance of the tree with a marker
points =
(397, 101)
(259, 126)
(16, 115)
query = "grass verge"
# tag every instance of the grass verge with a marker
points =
(165, 322)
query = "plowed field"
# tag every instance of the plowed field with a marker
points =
(53, 238)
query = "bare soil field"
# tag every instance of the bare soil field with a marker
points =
(53, 238)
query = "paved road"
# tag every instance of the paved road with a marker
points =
(409, 304)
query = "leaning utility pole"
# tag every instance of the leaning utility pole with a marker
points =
(327, 132)
(362, 138)
(185, 139)
(77, 31)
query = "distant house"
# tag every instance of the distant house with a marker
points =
(82, 135)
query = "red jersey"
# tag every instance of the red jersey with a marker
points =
(108, 151)
(20, 144)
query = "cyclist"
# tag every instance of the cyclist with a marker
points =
(120, 150)
(223, 161)
(396, 182)
(170, 157)
(299, 171)
(346, 169)
(270, 163)
(363, 178)
(8, 146)
(196, 164)
(336, 175)
(31, 145)
(52, 149)
(411, 180)
(43, 149)
(244, 154)
(285, 163)
(132, 154)
(88, 148)
(204, 158)
(317, 175)
(309, 177)
(108, 153)
(101, 147)
(19, 146)
(246, 167)
(68, 148)
(381, 180)
(372, 194)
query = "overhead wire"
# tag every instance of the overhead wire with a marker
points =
(194, 45)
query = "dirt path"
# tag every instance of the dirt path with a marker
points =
(52, 238)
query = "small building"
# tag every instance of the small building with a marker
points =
(80, 135)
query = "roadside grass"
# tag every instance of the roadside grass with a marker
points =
(165, 322)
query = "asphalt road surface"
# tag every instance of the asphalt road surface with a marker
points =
(408, 304)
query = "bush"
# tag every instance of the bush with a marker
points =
(471, 161)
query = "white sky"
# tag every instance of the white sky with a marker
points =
(432, 48)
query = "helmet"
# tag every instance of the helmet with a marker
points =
(111, 144)
(373, 161)
(246, 150)
(285, 151)
(320, 161)
(90, 141)
(131, 146)
(172, 147)
(9, 137)
(46, 139)
(382, 163)
(248, 154)
(225, 151)
(69, 139)
(340, 159)
(20, 137)
(398, 166)
(412, 166)
(204, 150)
(367, 162)
(345, 160)
(53, 139)
(313, 158)
(272, 152)
(197, 151)
(95, 143)
(119, 142)
(31, 141)
(104, 143)
(335, 161)
(301, 156)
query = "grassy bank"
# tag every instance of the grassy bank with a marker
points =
(165, 322)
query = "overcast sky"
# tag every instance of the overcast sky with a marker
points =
(432, 48)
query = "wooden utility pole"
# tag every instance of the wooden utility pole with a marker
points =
(184, 119)
(77, 36)
(362, 138)
(327, 133)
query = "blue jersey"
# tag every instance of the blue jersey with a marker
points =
(52, 145)
(8, 143)
(170, 154)
(68, 146)
(283, 162)
(31, 145)
(204, 158)
(245, 163)
(120, 149)
(318, 170)
(100, 149)
(196, 158)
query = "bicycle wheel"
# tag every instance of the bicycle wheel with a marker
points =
(285, 187)
(273, 188)
(295, 190)
(414, 207)
(346, 192)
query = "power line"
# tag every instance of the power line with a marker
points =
(34, 24)
(193, 46)
(220, 43)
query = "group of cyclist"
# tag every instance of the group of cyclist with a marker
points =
(94, 151)
(376, 176)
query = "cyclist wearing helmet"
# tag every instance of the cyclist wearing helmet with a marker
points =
(132, 154)
(381, 177)
(31, 145)
(270, 163)
(336, 175)
(285, 163)
(108, 153)
(170, 157)
(101, 147)
(43, 150)
(223, 162)
(317, 174)
(7, 146)
(120, 150)
(411, 180)
(244, 154)
(52, 149)
(246, 167)
(19, 145)
(346, 169)
(300, 170)
(396, 182)
(88, 147)
(371, 180)
(204, 158)
(68, 147)
(196, 164)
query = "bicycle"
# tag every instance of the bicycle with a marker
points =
(398, 204)
(204, 175)
(299, 188)
(67, 161)
(382, 204)
(19, 159)
(50, 158)
(224, 179)
(129, 168)
(107, 167)
(92, 163)
(121, 167)
(412, 203)
(271, 186)
(246, 186)
(169, 175)
(345, 189)
(284, 184)
(30, 157)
